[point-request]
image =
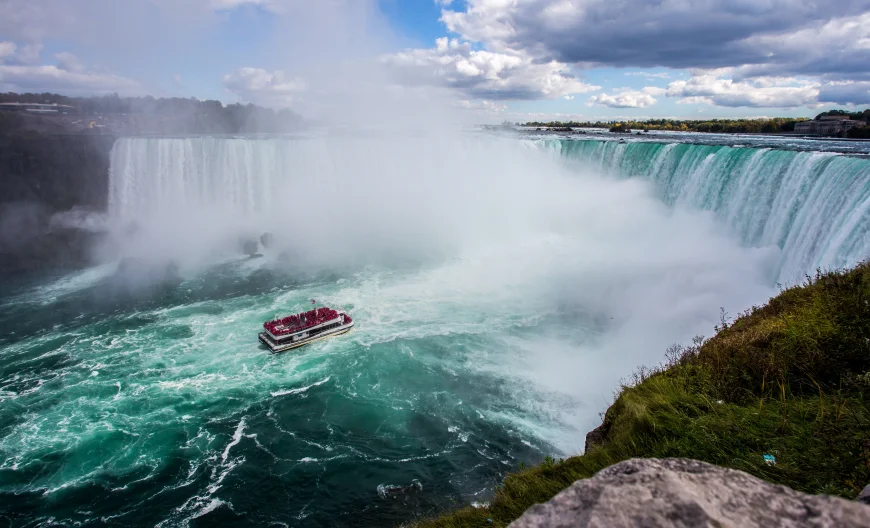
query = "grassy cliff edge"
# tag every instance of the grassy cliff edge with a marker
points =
(790, 379)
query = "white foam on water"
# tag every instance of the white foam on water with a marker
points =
(299, 390)
(237, 437)
(210, 507)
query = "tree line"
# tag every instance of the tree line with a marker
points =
(732, 126)
(858, 116)
(170, 114)
(726, 126)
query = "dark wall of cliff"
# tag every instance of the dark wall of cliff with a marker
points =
(59, 172)
(42, 176)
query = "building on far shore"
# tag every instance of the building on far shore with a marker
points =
(830, 125)
(37, 108)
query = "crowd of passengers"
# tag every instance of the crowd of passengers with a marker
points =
(294, 323)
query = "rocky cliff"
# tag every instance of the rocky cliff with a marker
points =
(41, 176)
(59, 172)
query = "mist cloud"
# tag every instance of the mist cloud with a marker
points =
(442, 222)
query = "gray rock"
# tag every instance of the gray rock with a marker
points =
(677, 492)
(865, 495)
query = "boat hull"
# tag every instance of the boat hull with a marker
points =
(277, 346)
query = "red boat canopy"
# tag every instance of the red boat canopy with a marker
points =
(300, 321)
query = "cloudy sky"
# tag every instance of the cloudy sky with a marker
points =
(517, 59)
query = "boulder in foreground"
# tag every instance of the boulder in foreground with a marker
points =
(679, 492)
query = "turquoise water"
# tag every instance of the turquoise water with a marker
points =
(149, 407)
(499, 294)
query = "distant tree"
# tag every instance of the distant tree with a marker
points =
(860, 116)
(621, 128)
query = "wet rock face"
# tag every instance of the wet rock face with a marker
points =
(687, 493)
(249, 247)
(597, 436)
(31, 241)
(60, 172)
(266, 239)
(41, 176)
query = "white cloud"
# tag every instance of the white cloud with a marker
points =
(820, 42)
(627, 98)
(69, 62)
(20, 72)
(482, 74)
(7, 49)
(764, 93)
(23, 78)
(668, 33)
(838, 49)
(846, 93)
(257, 85)
(29, 53)
(12, 53)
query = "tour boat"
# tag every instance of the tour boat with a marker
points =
(300, 329)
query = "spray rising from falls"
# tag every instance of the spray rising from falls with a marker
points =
(325, 199)
(492, 228)
(451, 230)
(812, 205)
(499, 298)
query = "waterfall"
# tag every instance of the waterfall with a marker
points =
(148, 175)
(812, 205)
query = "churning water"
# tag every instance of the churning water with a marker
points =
(500, 287)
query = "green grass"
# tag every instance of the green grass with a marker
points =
(790, 379)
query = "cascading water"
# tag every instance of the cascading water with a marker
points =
(812, 205)
(499, 297)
